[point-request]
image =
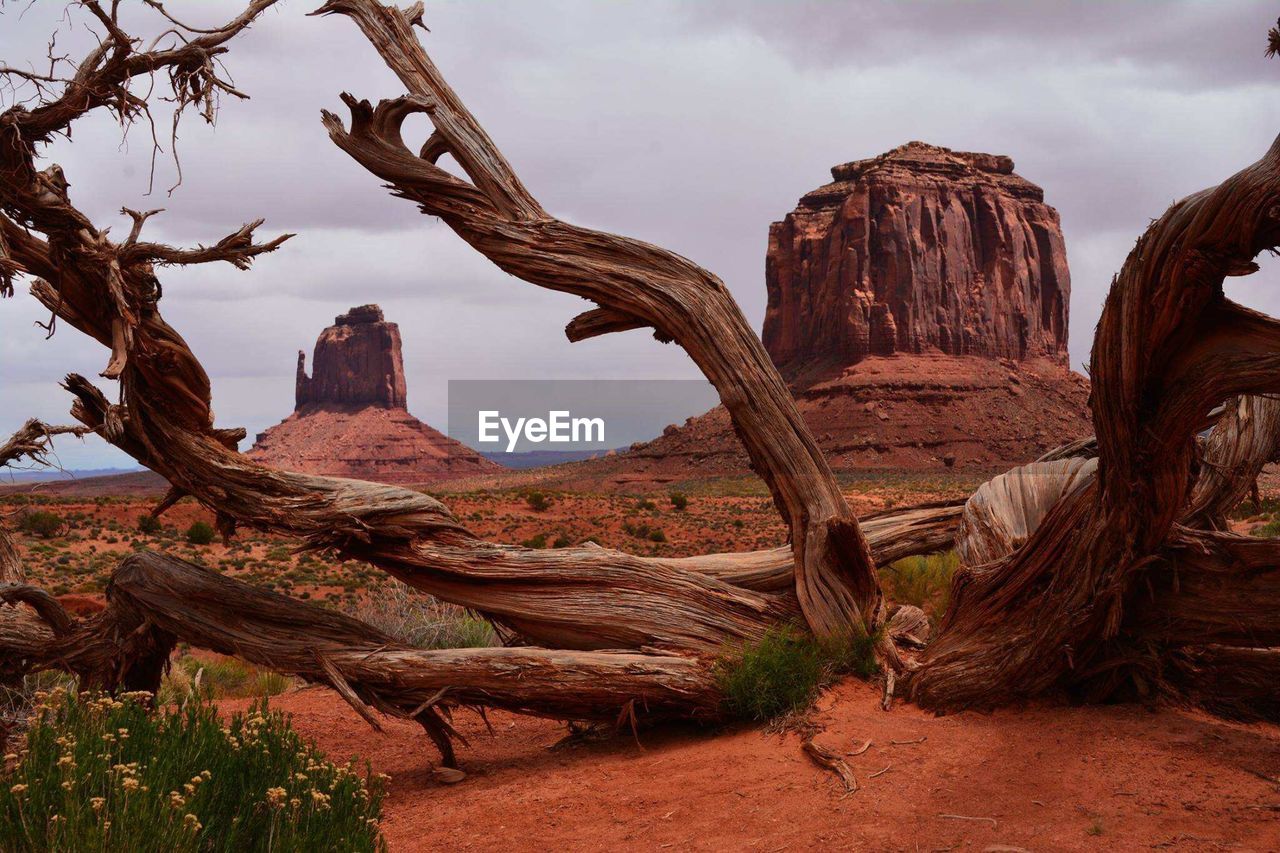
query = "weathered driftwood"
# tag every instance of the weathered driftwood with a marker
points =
(1245, 438)
(208, 610)
(1169, 347)
(1004, 511)
(155, 601)
(1203, 588)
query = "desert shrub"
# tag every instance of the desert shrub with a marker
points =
(644, 504)
(679, 501)
(538, 540)
(109, 774)
(41, 523)
(782, 672)
(637, 529)
(420, 620)
(922, 581)
(149, 524)
(537, 501)
(656, 535)
(562, 541)
(777, 675)
(200, 533)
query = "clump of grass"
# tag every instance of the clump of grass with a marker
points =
(922, 581)
(783, 672)
(200, 533)
(421, 620)
(41, 523)
(110, 774)
(218, 678)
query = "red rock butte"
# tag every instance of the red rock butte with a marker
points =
(350, 417)
(921, 249)
(917, 306)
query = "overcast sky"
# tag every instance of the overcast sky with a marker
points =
(688, 124)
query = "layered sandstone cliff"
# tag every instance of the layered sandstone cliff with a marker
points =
(350, 415)
(919, 250)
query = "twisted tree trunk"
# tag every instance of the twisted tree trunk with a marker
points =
(1121, 581)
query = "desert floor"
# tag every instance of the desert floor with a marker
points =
(1036, 778)
(1045, 777)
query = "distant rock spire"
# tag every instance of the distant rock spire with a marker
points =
(357, 362)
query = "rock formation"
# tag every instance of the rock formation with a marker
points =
(918, 308)
(350, 417)
(920, 249)
(357, 362)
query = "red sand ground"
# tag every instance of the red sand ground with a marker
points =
(1040, 778)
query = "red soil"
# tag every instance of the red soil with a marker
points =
(80, 606)
(1037, 778)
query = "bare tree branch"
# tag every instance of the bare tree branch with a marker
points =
(634, 284)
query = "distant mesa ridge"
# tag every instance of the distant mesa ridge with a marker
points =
(350, 416)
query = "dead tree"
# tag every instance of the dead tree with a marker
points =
(581, 600)
(1123, 581)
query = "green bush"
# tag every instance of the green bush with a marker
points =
(538, 540)
(679, 501)
(41, 523)
(200, 533)
(782, 672)
(108, 774)
(537, 501)
(149, 524)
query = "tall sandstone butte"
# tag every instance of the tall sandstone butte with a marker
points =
(920, 249)
(917, 306)
(350, 416)
(357, 362)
